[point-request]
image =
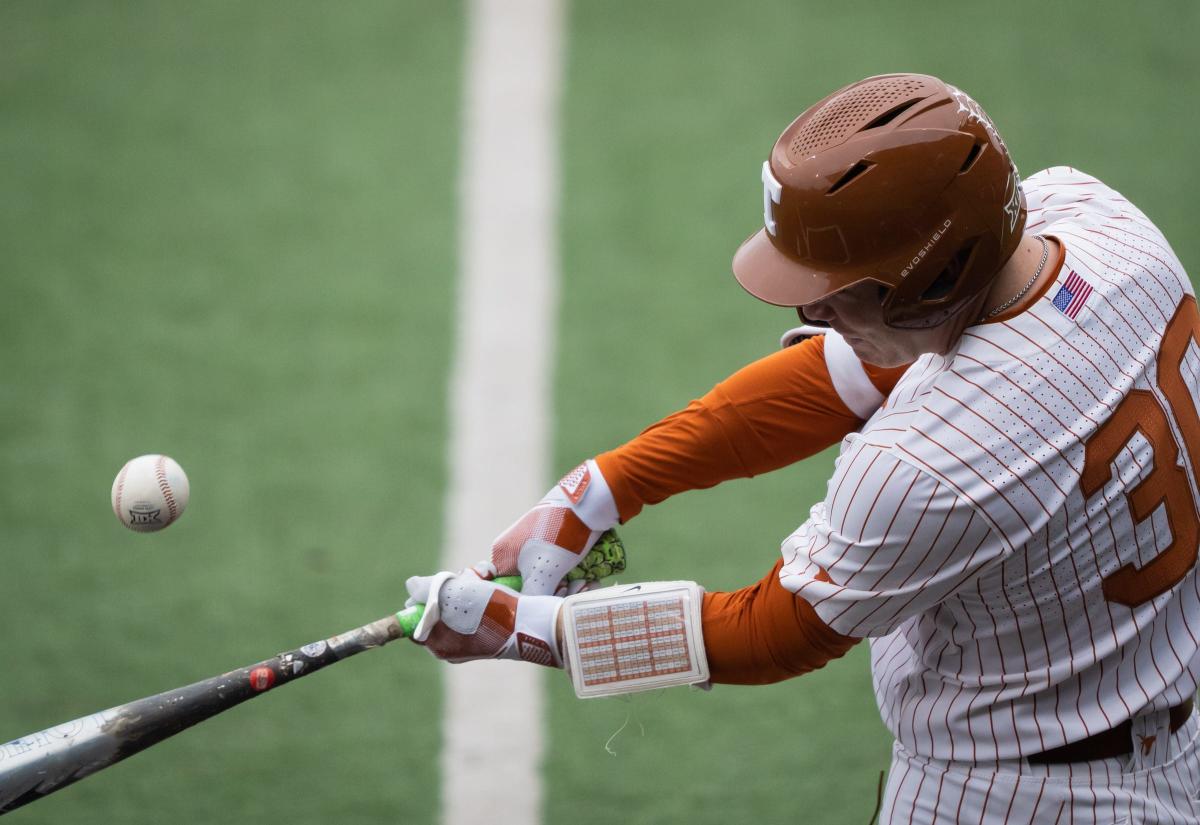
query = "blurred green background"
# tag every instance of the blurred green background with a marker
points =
(228, 235)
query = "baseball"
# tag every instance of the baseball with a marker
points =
(149, 493)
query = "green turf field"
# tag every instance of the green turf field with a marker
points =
(228, 235)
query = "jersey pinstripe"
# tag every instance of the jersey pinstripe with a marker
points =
(1099, 792)
(994, 529)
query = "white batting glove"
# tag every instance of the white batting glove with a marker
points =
(545, 543)
(470, 617)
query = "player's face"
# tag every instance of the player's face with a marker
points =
(856, 313)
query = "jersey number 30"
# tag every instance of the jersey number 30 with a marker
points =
(1167, 483)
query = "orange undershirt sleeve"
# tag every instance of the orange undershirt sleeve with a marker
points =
(765, 633)
(772, 413)
(884, 378)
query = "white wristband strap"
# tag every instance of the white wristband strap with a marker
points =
(533, 637)
(630, 638)
(597, 509)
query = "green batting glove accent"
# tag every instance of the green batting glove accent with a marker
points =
(606, 558)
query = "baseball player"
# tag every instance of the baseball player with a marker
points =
(1012, 522)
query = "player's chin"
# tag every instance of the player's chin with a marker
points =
(873, 352)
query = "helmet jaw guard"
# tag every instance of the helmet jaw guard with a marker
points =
(899, 179)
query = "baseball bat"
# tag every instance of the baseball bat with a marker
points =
(41, 763)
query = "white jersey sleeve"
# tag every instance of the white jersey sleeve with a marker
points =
(889, 542)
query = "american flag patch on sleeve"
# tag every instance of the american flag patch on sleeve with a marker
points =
(1072, 294)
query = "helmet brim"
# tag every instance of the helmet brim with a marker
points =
(770, 276)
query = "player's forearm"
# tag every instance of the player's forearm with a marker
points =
(765, 633)
(756, 635)
(759, 635)
(687, 450)
(769, 414)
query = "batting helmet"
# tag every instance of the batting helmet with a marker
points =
(898, 179)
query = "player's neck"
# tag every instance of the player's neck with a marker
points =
(1015, 288)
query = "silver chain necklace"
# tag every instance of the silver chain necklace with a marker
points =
(1028, 286)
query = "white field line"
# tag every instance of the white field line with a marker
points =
(500, 388)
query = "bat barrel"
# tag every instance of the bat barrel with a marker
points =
(39, 764)
(42, 762)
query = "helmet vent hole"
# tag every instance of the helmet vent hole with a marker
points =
(851, 174)
(947, 279)
(941, 286)
(890, 115)
(845, 113)
(972, 156)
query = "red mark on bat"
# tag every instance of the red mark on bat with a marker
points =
(261, 678)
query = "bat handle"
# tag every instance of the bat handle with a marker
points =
(410, 617)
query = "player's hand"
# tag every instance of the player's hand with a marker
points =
(468, 616)
(545, 543)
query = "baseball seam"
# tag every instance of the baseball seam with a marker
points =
(160, 472)
(120, 489)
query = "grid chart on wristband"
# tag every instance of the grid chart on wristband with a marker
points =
(621, 643)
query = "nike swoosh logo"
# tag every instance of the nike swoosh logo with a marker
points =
(634, 588)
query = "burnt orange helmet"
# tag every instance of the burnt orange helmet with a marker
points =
(898, 179)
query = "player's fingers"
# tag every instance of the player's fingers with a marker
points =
(483, 569)
(578, 586)
(419, 588)
(430, 587)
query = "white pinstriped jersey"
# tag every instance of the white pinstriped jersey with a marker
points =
(1016, 527)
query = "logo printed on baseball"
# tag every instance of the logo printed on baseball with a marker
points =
(142, 515)
(149, 493)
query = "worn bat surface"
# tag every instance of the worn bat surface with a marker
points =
(39, 764)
